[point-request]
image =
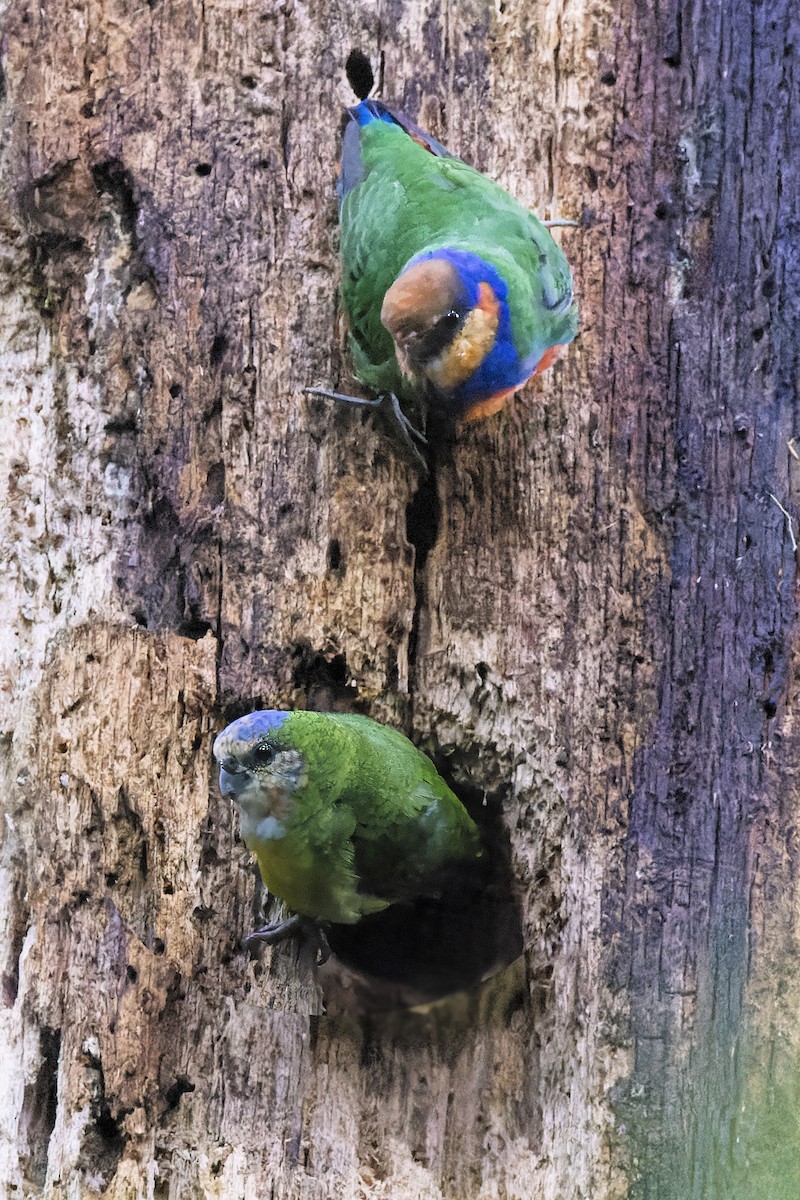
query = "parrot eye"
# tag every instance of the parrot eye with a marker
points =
(439, 336)
(263, 755)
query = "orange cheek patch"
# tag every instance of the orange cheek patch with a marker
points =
(487, 301)
(470, 347)
(487, 408)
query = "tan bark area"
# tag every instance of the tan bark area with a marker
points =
(187, 536)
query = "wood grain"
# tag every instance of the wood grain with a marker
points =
(587, 614)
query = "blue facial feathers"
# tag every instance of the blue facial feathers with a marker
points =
(255, 725)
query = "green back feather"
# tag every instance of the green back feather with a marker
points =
(373, 823)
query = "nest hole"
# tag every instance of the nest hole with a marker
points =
(465, 932)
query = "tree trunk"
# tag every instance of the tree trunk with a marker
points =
(586, 615)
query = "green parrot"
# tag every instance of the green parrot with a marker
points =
(455, 294)
(345, 816)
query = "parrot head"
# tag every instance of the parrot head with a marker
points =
(450, 323)
(259, 770)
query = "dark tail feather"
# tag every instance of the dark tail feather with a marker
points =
(359, 73)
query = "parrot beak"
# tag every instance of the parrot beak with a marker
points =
(231, 781)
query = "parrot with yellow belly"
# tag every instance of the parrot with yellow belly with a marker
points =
(455, 295)
(344, 815)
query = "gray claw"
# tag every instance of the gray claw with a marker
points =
(294, 926)
(277, 932)
(389, 401)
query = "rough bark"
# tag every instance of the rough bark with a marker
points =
(587, 615)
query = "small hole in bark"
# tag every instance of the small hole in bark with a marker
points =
(131, 973)
(661, 210)
(591, 177)
(334, 556)
(158, 946)
(179, 1088)
(392, 669)
(770, 707)
(113, 179)
(103, 1142)
(609, 78)
(768, 286)
(175, 390)
(263, 164)
(215, 484)
(359, 73)
(39, 1106)
(249, 82)
(121, 424)
(324, 676)
(87, 110)
(194, 627)
(203, 169)
(482, 669)
(758, 334)
(218, 348)
(111, 878)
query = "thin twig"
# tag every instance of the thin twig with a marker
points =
(788, 521)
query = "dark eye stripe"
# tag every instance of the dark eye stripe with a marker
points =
(440, 335)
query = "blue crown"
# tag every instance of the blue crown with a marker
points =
(256, 724)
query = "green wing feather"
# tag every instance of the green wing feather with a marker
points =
(373, 825)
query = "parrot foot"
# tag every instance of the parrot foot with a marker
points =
(277, 932)
(294, 926)
(409, 432)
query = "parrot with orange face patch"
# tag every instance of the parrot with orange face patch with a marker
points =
(455, 294)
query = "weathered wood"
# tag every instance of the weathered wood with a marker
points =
(587, 614)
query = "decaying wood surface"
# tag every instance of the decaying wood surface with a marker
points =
(587, 615)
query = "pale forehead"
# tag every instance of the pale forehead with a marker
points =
(250, 727)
